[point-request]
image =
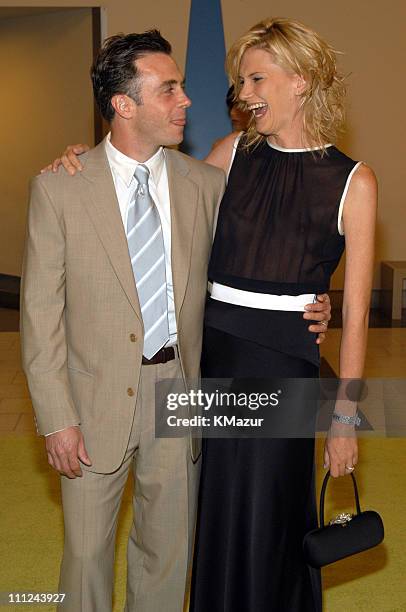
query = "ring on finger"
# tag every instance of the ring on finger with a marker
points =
(325, 323)
(350, 468)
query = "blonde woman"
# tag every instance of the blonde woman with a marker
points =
(293, 202)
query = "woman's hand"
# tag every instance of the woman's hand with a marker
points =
(340, 449)
(69, 159)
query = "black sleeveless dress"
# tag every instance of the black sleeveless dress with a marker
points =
(277, 233)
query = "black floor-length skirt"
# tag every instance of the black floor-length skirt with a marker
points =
(257, 500)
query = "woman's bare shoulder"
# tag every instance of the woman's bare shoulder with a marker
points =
(361, 201)
(364, 180)
(221, 154)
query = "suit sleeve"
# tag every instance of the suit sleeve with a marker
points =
(44, 347)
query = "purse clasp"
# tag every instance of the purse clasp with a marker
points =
(342, 519)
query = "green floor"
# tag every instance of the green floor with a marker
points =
(32, 532)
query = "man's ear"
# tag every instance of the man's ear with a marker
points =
(123, 105)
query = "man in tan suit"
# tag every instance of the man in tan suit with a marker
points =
(83, 333)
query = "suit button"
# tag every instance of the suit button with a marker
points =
(133, 337)
(130, 391)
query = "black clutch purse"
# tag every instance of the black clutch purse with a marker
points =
(346, 535)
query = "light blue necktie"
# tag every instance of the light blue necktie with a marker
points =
(147, 252)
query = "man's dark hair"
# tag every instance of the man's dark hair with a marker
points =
(114, 71)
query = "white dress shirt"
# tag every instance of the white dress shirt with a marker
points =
(122, 169)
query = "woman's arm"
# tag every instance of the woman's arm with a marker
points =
(221, 154)
(359, 217)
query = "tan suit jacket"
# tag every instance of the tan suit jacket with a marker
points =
(81, 325)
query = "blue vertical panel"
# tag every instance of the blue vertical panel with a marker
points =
(206, 81)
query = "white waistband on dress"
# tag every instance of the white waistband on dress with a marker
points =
(265, 301)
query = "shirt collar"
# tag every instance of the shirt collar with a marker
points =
(125, 166)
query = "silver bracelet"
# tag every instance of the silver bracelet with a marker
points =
(347, 420)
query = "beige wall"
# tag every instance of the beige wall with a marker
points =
(371, 36)
(46, 102)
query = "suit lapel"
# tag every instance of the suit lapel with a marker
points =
(183, 194)
(103, 208)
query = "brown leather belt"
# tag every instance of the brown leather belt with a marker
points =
(162, 356)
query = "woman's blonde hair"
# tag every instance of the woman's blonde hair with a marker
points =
(297, 49)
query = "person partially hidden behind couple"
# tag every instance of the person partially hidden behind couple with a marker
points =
(114, 288)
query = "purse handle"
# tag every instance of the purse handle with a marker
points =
(323, 492)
